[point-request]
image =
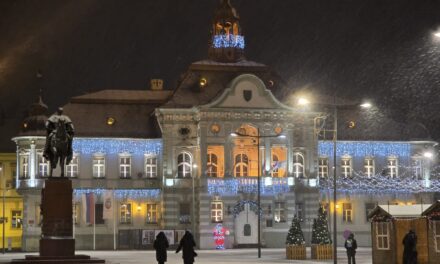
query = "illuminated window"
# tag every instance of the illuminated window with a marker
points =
(369, 167)
(152, 214)
(216, 211)
(298, 165)
(278, 165)
(279, 215)
(392, 168)
(72, 170)
(43, 166)
(151, 166)
(184, 165)
(346, 167)
(125, 166)
(16, 221)
(98, 166)
(185, 213)
(76, 212)
(241, 165)
(211, 165)
(382, 235)
(417, 167)
(323, 167)
(24, 166)
(347, 213)
(125, 213)
(436, 233)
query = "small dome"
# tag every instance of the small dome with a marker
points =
(225, 12)
(35, 123)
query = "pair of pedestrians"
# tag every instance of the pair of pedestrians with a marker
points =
(186, 244)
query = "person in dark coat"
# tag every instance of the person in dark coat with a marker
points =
(351, 246)
(187, 244)
(160, 245)
(410, 248)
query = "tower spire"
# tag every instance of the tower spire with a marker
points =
(227, 42)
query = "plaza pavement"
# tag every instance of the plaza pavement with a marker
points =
(230, 256)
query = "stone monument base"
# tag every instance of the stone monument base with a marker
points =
(57, 247)
(34, 259)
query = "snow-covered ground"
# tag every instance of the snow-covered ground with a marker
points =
(231, 256)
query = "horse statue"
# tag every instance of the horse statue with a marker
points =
(58, 147)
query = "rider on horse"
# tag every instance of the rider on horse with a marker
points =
(51, 128)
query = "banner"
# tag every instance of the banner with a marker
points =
(108, 205)
(88, 204)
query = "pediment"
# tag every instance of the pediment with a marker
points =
(247, 91)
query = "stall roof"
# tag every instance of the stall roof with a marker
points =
(401, 211)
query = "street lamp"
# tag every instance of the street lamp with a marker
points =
(193, 220)
(258, 136)
(4, 204)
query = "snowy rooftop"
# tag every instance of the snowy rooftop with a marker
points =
(405, 210)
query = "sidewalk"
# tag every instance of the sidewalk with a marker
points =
(230, 256)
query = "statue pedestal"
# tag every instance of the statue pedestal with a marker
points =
(57, 244)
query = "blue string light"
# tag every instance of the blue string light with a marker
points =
(135, 194)
(115, 146)
(228, 41)
(246, 185)
(365, 148)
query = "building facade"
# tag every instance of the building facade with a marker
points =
(193, 158)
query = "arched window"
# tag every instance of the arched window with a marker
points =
(211, 165)
(241, 165)
(275, 165)
(184, 165)
(298, 165)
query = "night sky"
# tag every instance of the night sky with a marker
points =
(376, 49)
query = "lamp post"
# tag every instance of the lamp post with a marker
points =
(335, 136)
(258, 137)
(4, 204)
(193, 220)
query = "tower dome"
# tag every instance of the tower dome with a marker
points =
(227, 42)
(34, 123)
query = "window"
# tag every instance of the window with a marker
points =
(417, 167)
(216, 211)
(24, 166)
(125, 213)
(184, 165)
(347, 213)
(72, 170)
(382, 235)
(76, 212)
(98, 166)
(43, 166)
(125, 167)
(300, 210)
(211, 165)
(99, 214)
(323, 167)
(346, 167)
(436, 231)
(369, 167)
(298, 165)
(368, 209)
(241, 165)
(279, 215)
(274, 168)
(151, 166)
(185, 215)
(392, 167)
(152, 215)
(16, 219)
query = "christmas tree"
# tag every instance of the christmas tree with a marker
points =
(320, 233)
(295, 235)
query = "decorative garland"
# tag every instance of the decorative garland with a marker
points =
(247, 185)
(122, 194)
(239, 207)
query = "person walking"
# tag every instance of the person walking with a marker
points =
(187, 245)
(160, 245)
(410, 248)
(351, 246)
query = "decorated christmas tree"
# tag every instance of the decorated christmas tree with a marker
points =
(295, 235)
(320, 233)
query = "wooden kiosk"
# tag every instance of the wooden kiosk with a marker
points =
(390, 224)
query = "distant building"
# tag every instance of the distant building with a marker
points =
(158, 159)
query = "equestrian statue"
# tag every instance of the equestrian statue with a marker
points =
(58, 148)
